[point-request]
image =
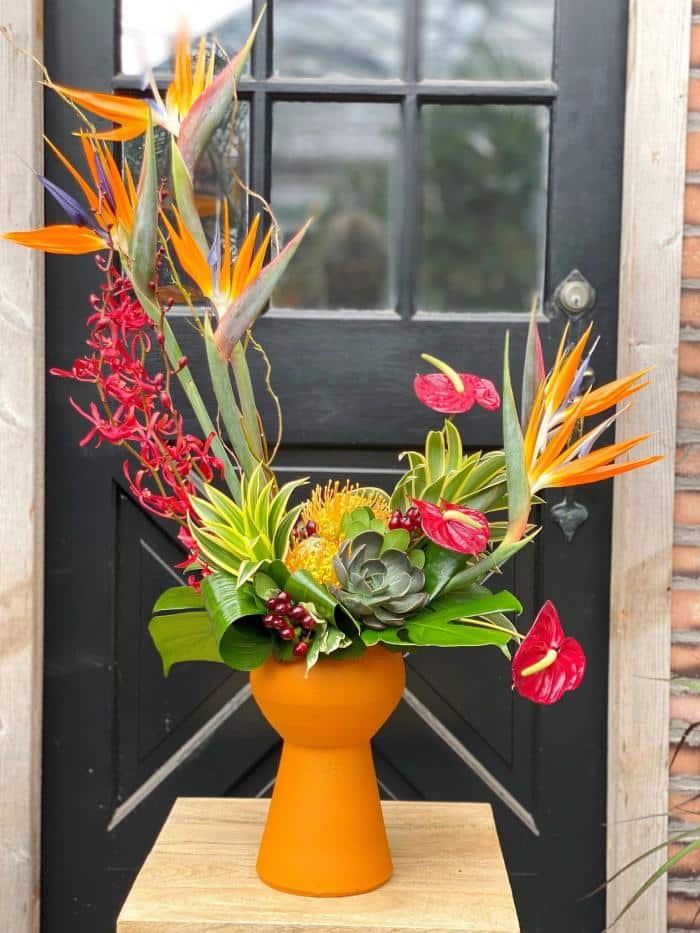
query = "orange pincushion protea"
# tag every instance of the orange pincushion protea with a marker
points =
(326, 508)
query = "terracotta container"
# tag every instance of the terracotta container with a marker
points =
(325, 834)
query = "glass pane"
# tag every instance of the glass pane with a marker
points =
(488, 39)
(484, 200)
(340, 163)
(148, 29)
(223, 163)
(338, 37)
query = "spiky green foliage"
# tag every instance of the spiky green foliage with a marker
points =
(380, 587)
(477, 480)
(240, 539)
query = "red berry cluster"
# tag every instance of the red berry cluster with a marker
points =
(289, 620)
(304, 530)
(410, 520)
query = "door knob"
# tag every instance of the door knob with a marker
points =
(574, 295)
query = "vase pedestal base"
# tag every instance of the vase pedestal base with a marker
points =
(325, 834)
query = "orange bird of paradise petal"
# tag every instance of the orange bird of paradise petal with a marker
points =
(555, 452)
(194, 91)
(220, 278)
(109, 217)
(131, 114)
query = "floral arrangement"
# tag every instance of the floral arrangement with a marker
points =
(348, 567)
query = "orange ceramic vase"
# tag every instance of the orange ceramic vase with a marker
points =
(325, 834)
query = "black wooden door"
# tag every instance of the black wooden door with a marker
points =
(460, 154)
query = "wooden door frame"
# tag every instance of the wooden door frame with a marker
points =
(657, 77)
(642, 541)
(21, 466)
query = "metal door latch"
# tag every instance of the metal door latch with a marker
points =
(574, 295)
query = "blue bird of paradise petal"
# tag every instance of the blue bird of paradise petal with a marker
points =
(214, 254)
(74, 209)
(105, 185)
(579, 377)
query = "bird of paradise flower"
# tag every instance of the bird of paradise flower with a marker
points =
(195, 102)
(552, 450)
(109, 218)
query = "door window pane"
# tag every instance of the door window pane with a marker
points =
(148, 29)
(219, 172)
(487, 39)
(484, 196)
(339, 163)
(341, 38)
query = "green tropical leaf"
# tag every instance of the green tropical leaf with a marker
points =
(488, 563)
(355, 649)
(214, 552)
(179, 597)
(440, 566)
(452, 634)
(387, 636)
(183, 636)
(281, 501)
(653, 878)
(244, 385)
(185, 197)
(248, 569)
(265, 587)
(327, 640)
(468, 605)
(235, 619)
(278, 572)
(492, 499)
(513, 445)
(228, 407)
(453, 445)
(485, 471)
(435, 455)
(303, 587)
(533, 369)
(398, 538)
(280, 544)
(144, 234)
(246, 646)
(208, 111)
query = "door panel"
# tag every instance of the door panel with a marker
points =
(455, 170)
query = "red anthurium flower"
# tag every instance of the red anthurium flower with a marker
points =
(454, 527)
(547, 663)
(452, 393)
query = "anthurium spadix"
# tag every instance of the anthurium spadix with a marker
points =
(519, 495)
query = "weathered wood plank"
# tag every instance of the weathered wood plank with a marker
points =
(200, 876)
(21, 468)
(650, 270)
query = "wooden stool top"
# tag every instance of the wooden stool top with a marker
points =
(449, 876)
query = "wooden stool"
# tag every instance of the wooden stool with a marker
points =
(449, 876)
